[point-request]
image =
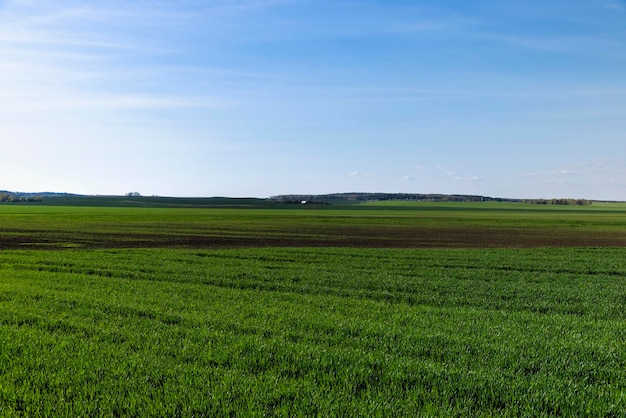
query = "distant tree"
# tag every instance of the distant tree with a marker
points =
(566, 202)
(133, 194)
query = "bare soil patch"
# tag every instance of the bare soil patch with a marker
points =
(345, 236)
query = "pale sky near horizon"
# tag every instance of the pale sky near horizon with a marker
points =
(518, 99)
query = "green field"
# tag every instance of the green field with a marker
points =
(362, 310)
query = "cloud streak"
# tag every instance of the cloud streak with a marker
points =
(119, 102)
(469, 178)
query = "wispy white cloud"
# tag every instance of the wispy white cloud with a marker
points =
(58, 56)
(247, 5)
(469, 178)
(584, 168)
(119, 102)
(578, 45)
(80, 32)
(438, 22)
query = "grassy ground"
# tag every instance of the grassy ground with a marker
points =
(175, 329)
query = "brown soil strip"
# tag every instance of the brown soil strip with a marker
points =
(363, 237)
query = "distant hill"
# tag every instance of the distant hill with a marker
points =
(136, 200)
(347, 198)
(131, 200)
(376, 197)
(40, 194)
(21, 197)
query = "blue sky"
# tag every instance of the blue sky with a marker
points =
(264, 97)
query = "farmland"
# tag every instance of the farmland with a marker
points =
(399, 225)
(375, 309)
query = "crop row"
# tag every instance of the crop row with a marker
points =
(306, 331)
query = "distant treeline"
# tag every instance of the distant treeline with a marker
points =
(375, 197)
(572, 202)
(415, 197)
(10, 197)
